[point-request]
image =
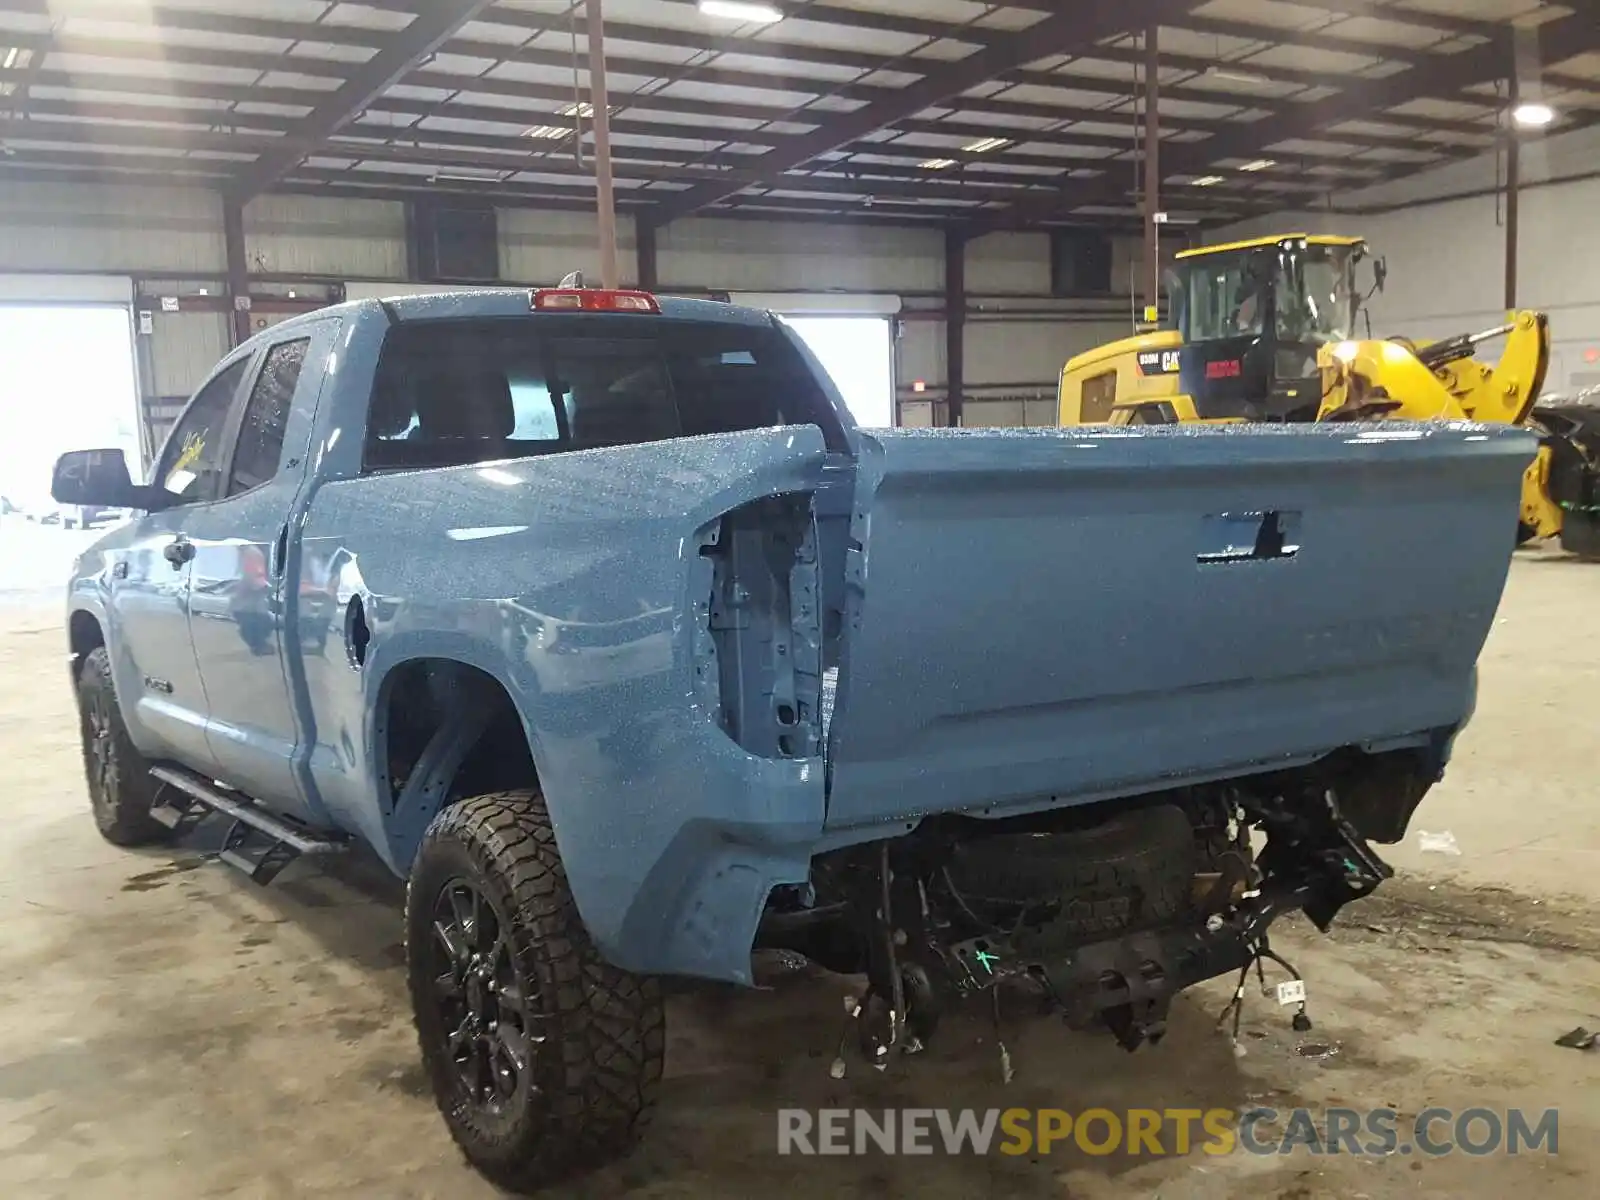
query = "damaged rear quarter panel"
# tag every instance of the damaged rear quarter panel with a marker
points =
(578, 582)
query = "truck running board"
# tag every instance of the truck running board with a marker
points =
(258, 843)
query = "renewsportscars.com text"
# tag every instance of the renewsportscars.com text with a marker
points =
(1377, 1132)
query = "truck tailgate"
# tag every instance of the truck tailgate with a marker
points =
(1062, 613)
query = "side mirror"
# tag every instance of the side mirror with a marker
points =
(1380, 271)
(98, 478)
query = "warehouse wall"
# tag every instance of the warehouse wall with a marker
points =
(116, 230)
(313, 236)
(1017, 336)
(1443, 233)
(170, 240)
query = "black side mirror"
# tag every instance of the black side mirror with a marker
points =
(1380, 271)
(98, 478)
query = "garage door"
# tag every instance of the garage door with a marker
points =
(852, 336)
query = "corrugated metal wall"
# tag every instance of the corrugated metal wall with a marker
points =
(334, 237)
(541, 247)
(1447, 255)
(68, 227)
(1017, 335)
(797, 256)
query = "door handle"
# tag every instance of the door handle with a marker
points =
(178, 552)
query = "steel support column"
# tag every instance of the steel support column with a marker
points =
(598, 98)
(1513, 181)
(238, 269)
(644, 240)
(1151, 287)
(955, 324)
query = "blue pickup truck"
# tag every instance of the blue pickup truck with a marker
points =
(596, 618)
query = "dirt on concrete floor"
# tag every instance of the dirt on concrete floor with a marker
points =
(169, 1030)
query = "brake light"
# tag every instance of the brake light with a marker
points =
(593, 300)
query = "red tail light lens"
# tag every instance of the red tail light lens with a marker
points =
(593, 300)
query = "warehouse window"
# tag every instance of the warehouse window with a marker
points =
(266, 417)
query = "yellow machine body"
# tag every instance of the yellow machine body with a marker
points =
(1137, 381)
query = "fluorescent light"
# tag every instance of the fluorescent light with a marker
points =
(1208, 180)
(1260, 164)
(1533, 116)
(984, 145)
(1236, 75)
(737, 10)
(584, 110)
(552, 133)
(11, 57)
(938, 164)
(463, 177)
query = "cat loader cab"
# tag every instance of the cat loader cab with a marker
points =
(1246, 322)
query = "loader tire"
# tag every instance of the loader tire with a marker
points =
(544, 1059)
(1580, 536)
(121, 788)
(1131, 871)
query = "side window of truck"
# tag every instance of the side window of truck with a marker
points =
(192, 460)
(266, 416)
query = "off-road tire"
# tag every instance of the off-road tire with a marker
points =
(121, 788)
(1131, 871)
(599, 1067)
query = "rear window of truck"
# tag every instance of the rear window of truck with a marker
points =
(451, 393)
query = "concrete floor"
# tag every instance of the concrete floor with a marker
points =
(168, 1030)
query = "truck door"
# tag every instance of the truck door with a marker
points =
(242, 597)
(155, 669)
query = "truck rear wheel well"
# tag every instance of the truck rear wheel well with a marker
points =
(83, 635)
(445, 731)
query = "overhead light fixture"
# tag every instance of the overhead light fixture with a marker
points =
(737, 10)
(1533, 115)
(1235, 75)
(938, 164)
(1208, 181)
(463, 177)
(1260, 164)
(552, 133)
(984, 145)
(584, 110)
(12, 53)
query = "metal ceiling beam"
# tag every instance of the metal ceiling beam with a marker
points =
(1057, 34)
(111, 48)
(428, 31)
(162, 16)
(1348, 8)
(1555, 40)
(463, 151)
(1324, 37)
(1370, 99)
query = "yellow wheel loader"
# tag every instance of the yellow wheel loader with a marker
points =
(1265, 330)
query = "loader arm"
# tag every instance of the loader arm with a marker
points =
(1430, 381)
(1505, 393)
